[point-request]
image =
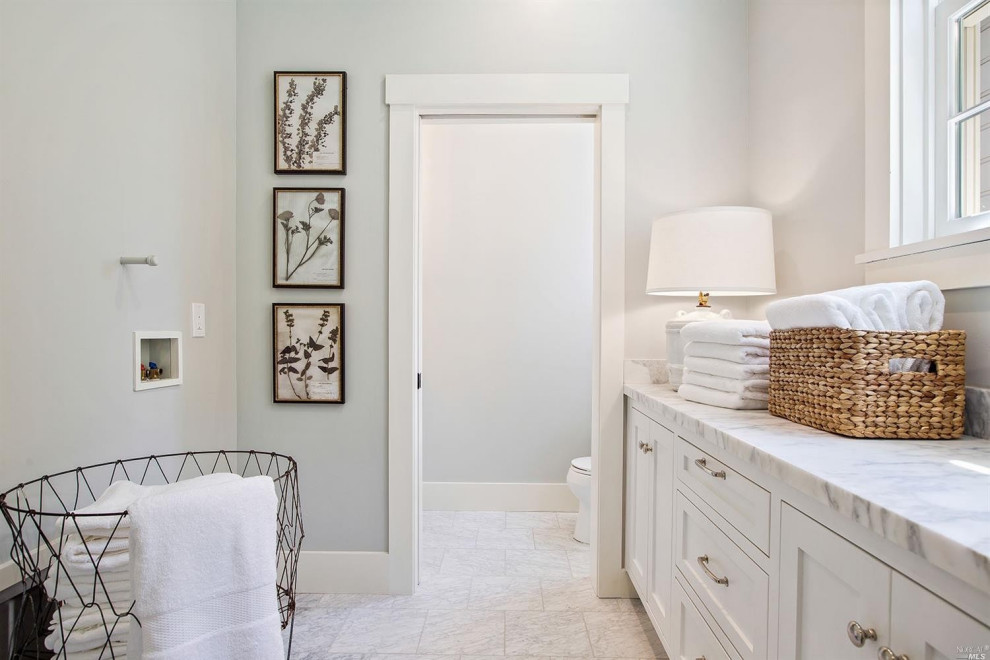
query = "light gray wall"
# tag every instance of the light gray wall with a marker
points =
(686, 146)
(116, 138)
(507, 210)
(806, 136)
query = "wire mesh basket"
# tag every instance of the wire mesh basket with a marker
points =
(74, 604)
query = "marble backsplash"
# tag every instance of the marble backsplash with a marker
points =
(645, 372)
(978, 412)
(654, 372)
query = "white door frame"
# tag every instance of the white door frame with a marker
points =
(410, 98)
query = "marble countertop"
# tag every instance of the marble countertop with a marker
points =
(929, 497)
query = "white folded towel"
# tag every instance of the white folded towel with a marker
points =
(718, 398)
(112, 585)
(116, 651)
(918, 306)
(119, 496)
(204, 573)
(740, 354)
(87, 639)
(755, 388)
(732, 332)
(725, 368)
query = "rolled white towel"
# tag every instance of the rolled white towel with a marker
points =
(819, 310)
(733, 332)
(718, 398)
(725, 368)
(740, 354)
(755, 388)
(918, 306)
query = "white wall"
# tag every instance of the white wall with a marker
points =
(806, 137)
(507, 209)
(686, 145)
(116, 138)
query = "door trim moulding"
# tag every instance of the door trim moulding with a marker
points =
(409, 99)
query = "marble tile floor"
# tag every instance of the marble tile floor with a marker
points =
(493, 584)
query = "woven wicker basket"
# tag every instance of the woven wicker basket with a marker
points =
(840, 381)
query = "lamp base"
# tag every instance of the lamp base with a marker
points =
(675, 347)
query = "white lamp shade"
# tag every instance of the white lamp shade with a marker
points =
(721, 250)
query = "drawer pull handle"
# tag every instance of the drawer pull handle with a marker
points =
(703, 562)
(641, 445)
(886, 654)
(858, 635)
(703, 464)
(647, 448)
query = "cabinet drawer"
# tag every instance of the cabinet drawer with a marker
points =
(733, 588)
(743, 504)
(694, 638)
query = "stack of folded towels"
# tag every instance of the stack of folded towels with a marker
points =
(103, 569)
(92, 580)
(727, 363)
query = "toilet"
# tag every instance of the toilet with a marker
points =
(579, 480)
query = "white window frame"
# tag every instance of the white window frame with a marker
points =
(921, 227)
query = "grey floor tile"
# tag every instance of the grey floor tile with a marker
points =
(473, 562)
(580, 562)
(576, 595)
(558, 539)
(449, 537)
(439, 593)
(505, 593)
(530, 519)
(479, 519)
(623, 634)
(380, 631)
(537, 563)
(470, 632)
(545, 633)
(506, 538)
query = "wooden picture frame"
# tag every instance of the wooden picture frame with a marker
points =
(308, 352)
(318, 101)
(308, 238)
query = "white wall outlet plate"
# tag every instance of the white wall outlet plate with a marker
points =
(198, 320)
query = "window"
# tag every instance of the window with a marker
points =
(940, 70)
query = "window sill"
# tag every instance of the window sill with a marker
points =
(953, 262)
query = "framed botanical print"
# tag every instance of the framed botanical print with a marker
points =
(308, 353)
(308, 238)
(310, 122)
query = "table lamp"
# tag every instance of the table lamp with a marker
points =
(712, 251)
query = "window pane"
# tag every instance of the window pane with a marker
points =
(974, 56)
(973, 145)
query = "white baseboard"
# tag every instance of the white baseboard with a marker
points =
(342, 572)
(460, 496)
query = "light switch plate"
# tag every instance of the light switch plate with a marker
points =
(198, 320)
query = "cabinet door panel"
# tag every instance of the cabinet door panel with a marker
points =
(925, 627)
(827, 582)
(639, 492)
(661, 566)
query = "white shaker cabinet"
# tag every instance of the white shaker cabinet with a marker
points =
(662, 519)
(834, 597)
(729, 564)
(649, 512)
(925, 627)
(639, 492)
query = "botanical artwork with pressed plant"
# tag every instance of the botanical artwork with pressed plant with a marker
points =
(309, 353)
(309, 122)
(308, 239)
